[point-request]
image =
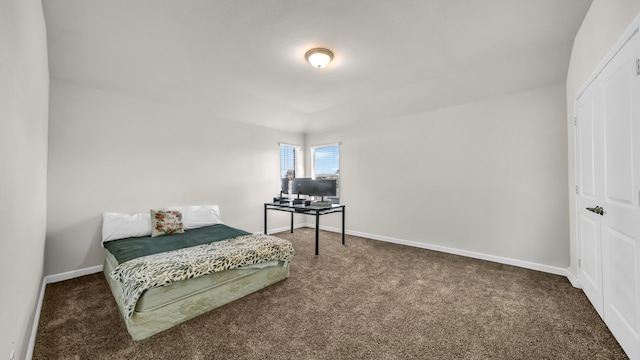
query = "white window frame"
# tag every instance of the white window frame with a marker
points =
(313, 163)
(298, 166)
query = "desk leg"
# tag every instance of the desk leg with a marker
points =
(265, 219)
(317, 229)
(292, 223)
(343, 209)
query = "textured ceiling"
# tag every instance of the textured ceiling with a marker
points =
(244, 60)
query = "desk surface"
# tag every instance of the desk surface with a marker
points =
(289, 206)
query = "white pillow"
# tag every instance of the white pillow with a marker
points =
(196, 216)
(120, 226)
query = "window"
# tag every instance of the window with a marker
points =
(289, 155)
(325, 165)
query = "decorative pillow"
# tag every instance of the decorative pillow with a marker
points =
(166, 222)
(196, 216)
(121, 226)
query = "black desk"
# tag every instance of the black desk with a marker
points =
(307, 210)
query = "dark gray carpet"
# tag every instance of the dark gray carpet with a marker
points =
(366, 300)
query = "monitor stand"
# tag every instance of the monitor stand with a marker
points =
(299, 201)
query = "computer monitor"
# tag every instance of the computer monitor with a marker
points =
(324, 188)
(307, 186)
(301, 186)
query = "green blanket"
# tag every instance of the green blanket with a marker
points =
(131, 248)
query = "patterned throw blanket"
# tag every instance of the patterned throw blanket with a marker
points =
(140, 274)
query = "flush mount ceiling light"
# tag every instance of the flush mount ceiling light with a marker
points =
(319, 57)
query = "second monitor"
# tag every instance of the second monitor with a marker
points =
(308, 186)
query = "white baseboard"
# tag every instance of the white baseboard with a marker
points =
(498, 259)
(573, 279)
(36, 320)
(49, 279)
(72, 274)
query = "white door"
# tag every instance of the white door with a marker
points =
(589, 176)
(620, 196)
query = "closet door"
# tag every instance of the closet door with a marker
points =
(589, 175)
(620, 222)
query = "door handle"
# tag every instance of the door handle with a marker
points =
(597, 210)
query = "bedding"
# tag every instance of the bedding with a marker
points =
(159, 282)
(196, 216)
(141, 274)
(131, 248)
(120, 226)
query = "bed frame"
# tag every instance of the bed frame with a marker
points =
(160, 308)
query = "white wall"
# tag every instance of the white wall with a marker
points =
(486, 177)
(116, 153)
(24, 87)
(603, 26)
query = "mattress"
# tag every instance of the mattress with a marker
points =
(162, 296)
(161, 308)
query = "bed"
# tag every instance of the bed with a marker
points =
(164, 280)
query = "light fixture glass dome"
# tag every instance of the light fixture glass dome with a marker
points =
(319, 58)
